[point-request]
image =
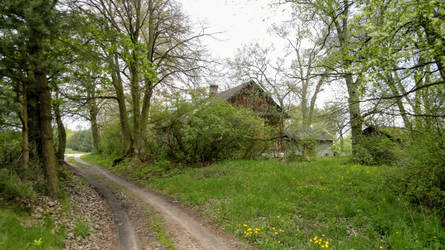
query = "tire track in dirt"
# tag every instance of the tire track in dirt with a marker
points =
(127, 236)
(188, 232)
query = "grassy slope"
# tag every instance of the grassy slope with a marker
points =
(284, 205)
(14, 234)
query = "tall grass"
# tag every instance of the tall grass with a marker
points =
(276, 205)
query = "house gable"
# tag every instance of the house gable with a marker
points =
(251, 95)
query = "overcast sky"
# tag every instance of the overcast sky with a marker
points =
(239, 21)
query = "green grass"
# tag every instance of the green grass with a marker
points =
(156, 226)
(16, 234)
(294, 205)
(82, 228)
(98, 159)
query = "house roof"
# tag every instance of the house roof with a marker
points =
(317, 135)
(229, 93)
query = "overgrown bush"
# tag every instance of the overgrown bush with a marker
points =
(11, 187)
(81, 141)
(10, 147)
(206, 130)
(111, 138)
(378, 149)
(423, 180)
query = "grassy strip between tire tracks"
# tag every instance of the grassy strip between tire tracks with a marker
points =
(327, 203)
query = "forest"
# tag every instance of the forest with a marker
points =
(366, 77)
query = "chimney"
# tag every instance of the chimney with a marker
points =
(213, 89)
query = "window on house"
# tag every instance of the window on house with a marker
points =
(249, 101)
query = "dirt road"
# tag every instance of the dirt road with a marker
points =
(188, 230)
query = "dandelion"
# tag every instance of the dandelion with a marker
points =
(244, 225)
(279, 242)
(278, 216)
(381, 247)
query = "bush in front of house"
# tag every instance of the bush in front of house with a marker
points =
(378, 150)
(423, 178)
(206, 130)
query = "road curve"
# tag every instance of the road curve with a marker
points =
(199, 235)
(127, 235)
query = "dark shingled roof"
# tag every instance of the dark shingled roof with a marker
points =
(229, 93)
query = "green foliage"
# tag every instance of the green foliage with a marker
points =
(11, 187)
(82, 228)
(423, 180)
(14, 235)
(377, 149)
(10, 147)
(111, 138)
(81, 141)
(347, 147)
(350, 206)
(207, 130)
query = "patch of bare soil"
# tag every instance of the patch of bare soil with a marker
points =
(142, 218)
(84, 206)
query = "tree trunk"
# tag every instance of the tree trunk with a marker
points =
(145, 111)
(136, 103)
(94, 127)
(46, 132)
(354, 113)
(61, 133)
(344, 39)
(25, 132)
(48, 154)
(33, 110)
(123, 114)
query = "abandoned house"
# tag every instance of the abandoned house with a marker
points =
(317, 143)
(252, 96)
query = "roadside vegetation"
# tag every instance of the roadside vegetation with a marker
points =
(277, 205)
(139, 73)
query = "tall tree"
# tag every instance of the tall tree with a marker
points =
(336, 15)
(155, 46)
(28, 32)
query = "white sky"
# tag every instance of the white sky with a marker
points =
(239, 21)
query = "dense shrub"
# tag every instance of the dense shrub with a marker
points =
(206, 130)
(378, 149)
(423, 179)
(10, 147)
(111, 138)
(11, 187)
(81, 141)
